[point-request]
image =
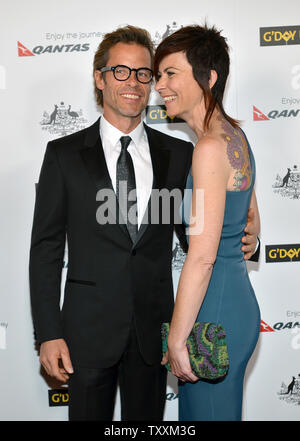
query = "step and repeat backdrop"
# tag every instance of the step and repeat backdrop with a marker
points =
(46, 92)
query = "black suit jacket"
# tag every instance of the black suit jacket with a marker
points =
(110, 280)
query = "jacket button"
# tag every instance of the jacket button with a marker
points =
(133, 252)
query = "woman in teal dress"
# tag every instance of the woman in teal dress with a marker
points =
(191, 68)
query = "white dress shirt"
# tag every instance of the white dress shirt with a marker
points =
(141, 158)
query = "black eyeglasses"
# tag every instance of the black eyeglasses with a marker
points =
(122, 73)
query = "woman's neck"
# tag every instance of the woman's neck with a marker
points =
(196, 121)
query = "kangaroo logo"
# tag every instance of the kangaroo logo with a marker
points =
(170, 28)
(61, 120)
(286, 178)
(289, 185)
(53, 115)
(291, 393)
(291, 386)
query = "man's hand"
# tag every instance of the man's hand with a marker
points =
(55, 358)
(250, 239)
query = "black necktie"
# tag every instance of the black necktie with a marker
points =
(126, 185)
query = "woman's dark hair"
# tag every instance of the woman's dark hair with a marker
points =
(206, 49)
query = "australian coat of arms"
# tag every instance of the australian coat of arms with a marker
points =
(170, 28)
(63, 120)
(289, 184)
(291, 392)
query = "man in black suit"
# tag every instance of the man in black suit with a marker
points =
(119, 282)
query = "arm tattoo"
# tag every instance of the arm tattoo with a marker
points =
(238, 155)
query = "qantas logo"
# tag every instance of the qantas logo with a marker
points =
(23, 51)
(264, 327)
(278, 326)
(258, 115)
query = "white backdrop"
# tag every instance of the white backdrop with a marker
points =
(46, 56)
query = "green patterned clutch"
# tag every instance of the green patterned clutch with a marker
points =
(207, 349)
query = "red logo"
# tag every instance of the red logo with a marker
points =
(264, 327)
(23, 51)
(258, 115)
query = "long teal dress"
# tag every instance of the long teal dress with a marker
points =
(230, 301)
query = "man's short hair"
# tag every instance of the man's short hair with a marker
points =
(129, 35)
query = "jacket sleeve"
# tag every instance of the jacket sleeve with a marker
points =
(255, 256)
(180, 229)
(47, 248)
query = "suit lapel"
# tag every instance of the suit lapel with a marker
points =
(93, 157)
(160, 158)
(160, 162)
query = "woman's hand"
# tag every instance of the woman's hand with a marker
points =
(180, 363)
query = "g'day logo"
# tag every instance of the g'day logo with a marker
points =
(282, 253)
(23, 51)
(58, 397)
(158, 115)
(279, 35)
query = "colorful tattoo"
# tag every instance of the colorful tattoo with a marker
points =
(238, 156)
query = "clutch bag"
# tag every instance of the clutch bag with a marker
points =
(207, 349)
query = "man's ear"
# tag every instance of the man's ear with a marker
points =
(213, 78)
(99, 79)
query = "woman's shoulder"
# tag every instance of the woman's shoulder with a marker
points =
(209, 161)
(210, 146)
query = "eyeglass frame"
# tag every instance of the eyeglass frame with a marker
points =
(113, 68)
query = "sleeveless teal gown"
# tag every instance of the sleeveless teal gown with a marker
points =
(230, 301)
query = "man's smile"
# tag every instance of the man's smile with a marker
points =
(131, 96)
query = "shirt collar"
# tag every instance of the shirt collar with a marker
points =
(113, 134)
